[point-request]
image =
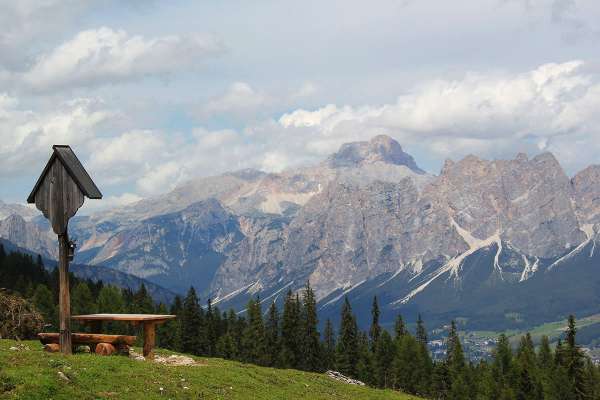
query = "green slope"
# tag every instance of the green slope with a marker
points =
(34, 374)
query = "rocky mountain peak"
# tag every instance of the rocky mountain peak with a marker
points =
(380, 148)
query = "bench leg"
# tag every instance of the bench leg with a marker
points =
(149, 339)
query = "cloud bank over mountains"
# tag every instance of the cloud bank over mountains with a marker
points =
(149, 105)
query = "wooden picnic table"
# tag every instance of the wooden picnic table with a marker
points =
(149, 322)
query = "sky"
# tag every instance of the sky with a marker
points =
(150, 94)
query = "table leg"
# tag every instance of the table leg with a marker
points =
(149, 339)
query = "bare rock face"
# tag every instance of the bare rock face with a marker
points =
(527, 202)
(177, 249)
(28, 235)
(348, 234)
(380, 148)
(27, 213)
(586, 187)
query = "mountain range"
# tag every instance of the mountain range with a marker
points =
(496, 244)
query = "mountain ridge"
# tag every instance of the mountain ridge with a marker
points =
(364, 213)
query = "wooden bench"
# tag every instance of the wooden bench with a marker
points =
(100, 343)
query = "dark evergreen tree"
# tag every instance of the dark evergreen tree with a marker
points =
(423, 364)
(44, 303)
(328, 346)
(173, 327)
(347, 354)
(82, 301)
(455, 360)
(210, 321)
(291, 332)
(407, 350)
(365, 363)
(399, 327)
(574, 361)
(421, 332)
(502, 368)
(272, 336)
(311, 347)
(190, 323)
(375, 329)
(253, 340)
(528, 385)
(385, 351)
(142, 301)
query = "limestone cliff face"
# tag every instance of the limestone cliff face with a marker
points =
(586, 188)
(527, 202)
(28, 235)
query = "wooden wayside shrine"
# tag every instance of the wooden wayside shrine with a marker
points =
(58, 193)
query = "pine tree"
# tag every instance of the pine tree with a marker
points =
(365, 363)
(455, 360)
(190, 323)
(311, 360)
(142, 301)
(328, 346)
(82, 301)
(347, 345)
(403, 366)
(110, 300)
(174, 326)
(421, 332)
(253, 340)
(399, 327)
(423, 363)
(385, 350)
(592, 380)
(375, 329)
(2, 253)
(290, 333)
(502, 367)
(272, 339)
(575, 361)
(545, 361)
(440, 380)
(528, 386)
(454, 354)
(226, 347)
(44, 303)
(211, 329)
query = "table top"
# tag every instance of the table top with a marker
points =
(123, 317)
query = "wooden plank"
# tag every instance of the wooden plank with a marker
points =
(64, 298)
(58, 197)
(149, 339)
(124, 317)
(89, 338)
(77, 172)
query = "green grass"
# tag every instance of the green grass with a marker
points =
(552, 329)
(34, 374)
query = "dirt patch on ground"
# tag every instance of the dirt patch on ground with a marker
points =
(172, 360)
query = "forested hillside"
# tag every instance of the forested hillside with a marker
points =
(290, 338)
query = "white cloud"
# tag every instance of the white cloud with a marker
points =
(552, 107)
(26, 136)
(103, 55)
(494, 115)
(161, 178)
(126, 157)
(109, 202)
(240, 100)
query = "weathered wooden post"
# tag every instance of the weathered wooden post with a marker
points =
(58, 193)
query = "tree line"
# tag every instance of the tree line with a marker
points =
(290, 338)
